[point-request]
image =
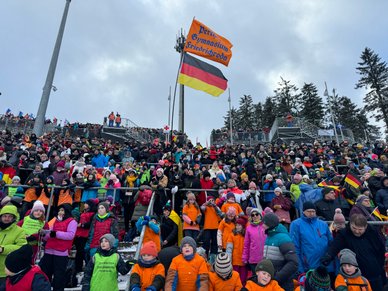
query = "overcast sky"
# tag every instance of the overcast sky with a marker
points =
(118, 55)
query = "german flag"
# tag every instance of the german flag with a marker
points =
(352, 180)
(199, 75)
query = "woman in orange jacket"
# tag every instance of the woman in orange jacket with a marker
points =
(263, 279)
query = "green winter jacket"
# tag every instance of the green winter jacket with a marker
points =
(11, 238)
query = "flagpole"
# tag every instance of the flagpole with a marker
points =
(179, 48)
(230, 118)
(169, 115)
(331, 113)
(41, 115)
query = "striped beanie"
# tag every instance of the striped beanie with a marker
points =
(223, 265)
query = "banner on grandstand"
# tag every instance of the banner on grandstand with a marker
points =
(204, 42)
(199, 75)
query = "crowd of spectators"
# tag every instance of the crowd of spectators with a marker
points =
(288, 191)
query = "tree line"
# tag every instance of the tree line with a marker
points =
(307, 103)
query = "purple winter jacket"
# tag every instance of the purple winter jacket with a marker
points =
(254, 244)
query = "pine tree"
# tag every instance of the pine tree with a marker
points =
(245, 113)
(233, 111)
(258, 116)
(374, 78)
(287, 98)
(311, 104)
(269, 113)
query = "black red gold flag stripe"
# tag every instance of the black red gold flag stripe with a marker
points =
(199, 75)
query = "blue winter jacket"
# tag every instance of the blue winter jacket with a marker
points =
(311, 237)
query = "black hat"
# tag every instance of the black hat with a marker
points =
(326, 190)
(271, 220)
(20, 259)
(309, 205)
(267, 266)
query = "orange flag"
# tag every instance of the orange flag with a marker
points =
(204, 42)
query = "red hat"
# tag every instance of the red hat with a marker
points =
(209, 197)
(242, 221)
(149, 248)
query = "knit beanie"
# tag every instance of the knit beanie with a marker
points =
(149, 248)
(318, 279)
(242, 221)
(223, 265)
(110, 238)
(230, 195)
(106, 206)
(38, 205)
(346, 256)
(278, 189)
(269, 177)
(91, 203)
(271, 220)
(326, 190)
(257, 211)
(267, 266)
(361, 198)
(209, 197)
(309, 205)
(339, 218)
(20, 259)
(248, 210)
(231, 211)
(16, 178)
(189, 240)
(267, 210)
(243, 175)
(252, 185)
(112, 177)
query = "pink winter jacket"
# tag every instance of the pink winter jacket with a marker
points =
(254, 244)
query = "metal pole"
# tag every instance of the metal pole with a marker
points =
(41, 115)
(230, 118)
(169, 109)
(181, 126)
(331, 113)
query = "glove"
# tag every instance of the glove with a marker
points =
(136, 288)
(130, 263)
(53, 233)
(147, 218)
(174, 190)
(191, 222)
(30, 238)
(150, 288)
(144, 222)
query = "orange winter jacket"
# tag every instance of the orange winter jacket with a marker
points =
(224, 231)
(147, 275)
(150, 235)
(65, 197)
(273, 285)
(352, 284)
(226, 205)
(211, 220)
(187, 275)
(232, 284)
(44, 198)
(235, 246)
(30, 195)
(190, 213)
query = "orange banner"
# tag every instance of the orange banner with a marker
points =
(204, 42)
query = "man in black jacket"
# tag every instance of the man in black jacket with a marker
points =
(329, 203)
(169, 229)
(368, 246)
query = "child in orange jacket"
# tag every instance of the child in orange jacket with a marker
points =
(263, 279)
(349, 277)
(148, 273)
(235, 246)
(225, 228)
(191, 215)
(188, 271)
(231, 202)
(223, 277)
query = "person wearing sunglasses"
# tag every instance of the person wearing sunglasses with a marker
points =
(254, 240)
